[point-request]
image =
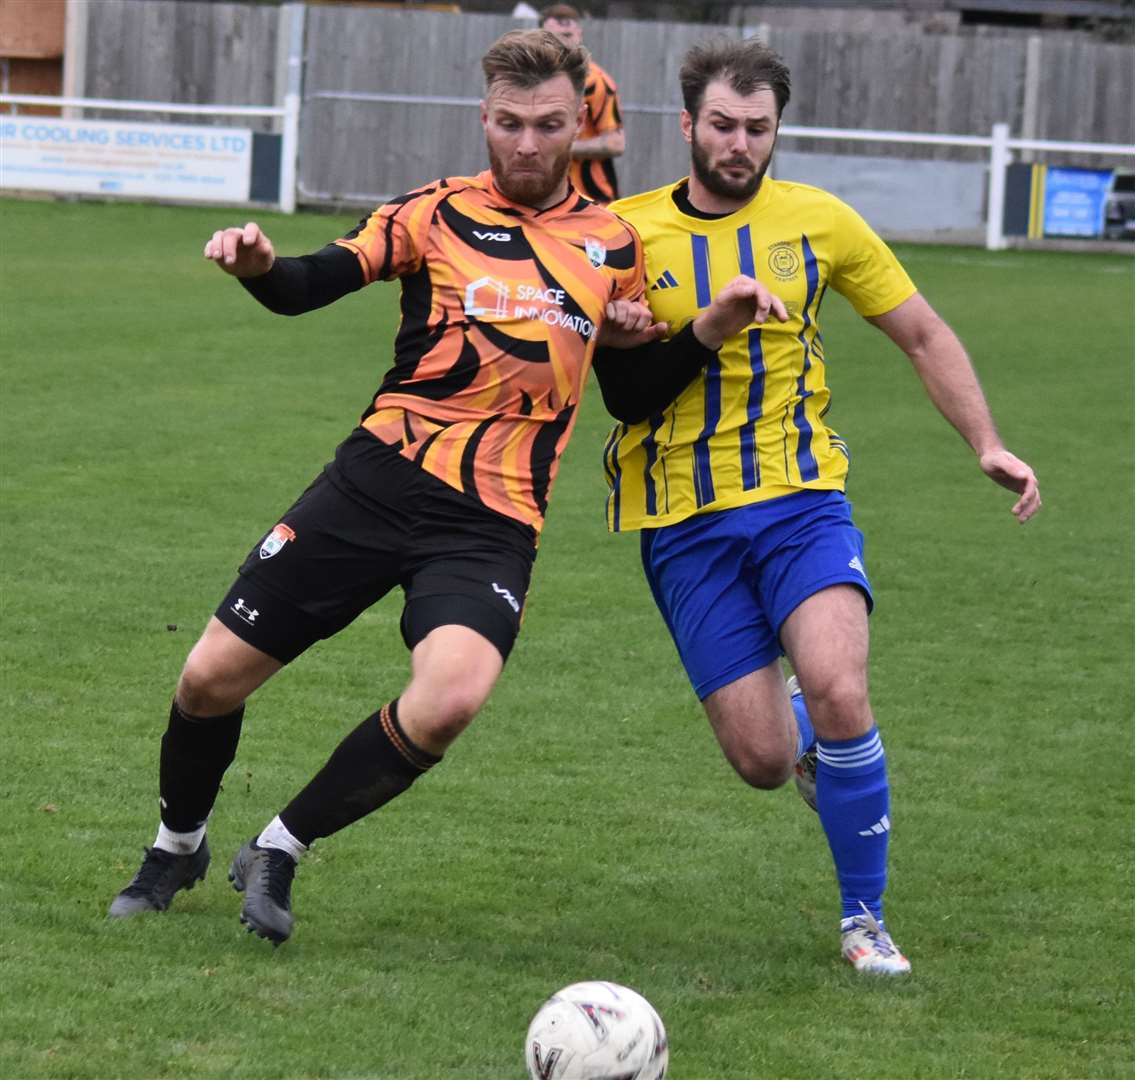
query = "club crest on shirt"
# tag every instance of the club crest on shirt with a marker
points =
(783, 260)
(275, 541)
(596, 251)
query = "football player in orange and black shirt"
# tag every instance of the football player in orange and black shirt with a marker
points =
(601, 138)
(442, 488)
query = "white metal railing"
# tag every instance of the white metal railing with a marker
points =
(112, 104)
(998, 143)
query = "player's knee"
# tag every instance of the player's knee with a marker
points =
(452, 711)
(839, 708)
(760, 767)
(202, 691)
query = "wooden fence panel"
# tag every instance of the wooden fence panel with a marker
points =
(195, 51)
(902, 82)
(352, 149)
(185, 52)
(1087, 94)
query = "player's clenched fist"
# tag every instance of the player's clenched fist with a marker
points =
(742, 302)
(242, 252)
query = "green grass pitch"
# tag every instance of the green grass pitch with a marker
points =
(155, 423)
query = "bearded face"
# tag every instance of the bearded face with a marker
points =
(529, 182)
(731, 142)
(529, 132)
(734, 176)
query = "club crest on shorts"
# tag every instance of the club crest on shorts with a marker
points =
(275, 541)
(596, 251)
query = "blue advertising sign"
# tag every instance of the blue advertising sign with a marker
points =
(1074, 201)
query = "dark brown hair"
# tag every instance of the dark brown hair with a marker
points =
(559, 11)
(745, 65)
(526, 58)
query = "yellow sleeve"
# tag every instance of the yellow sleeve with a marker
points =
(866, 271)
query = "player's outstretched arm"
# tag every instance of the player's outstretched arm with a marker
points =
(285, 286)
(242, 252)
(942, 364)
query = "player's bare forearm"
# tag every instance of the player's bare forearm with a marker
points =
(941, 363)
(609, 145)
(951, 383)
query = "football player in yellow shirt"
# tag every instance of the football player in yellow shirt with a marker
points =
(738, 486)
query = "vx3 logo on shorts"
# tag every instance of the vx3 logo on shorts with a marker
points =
(503, 237)
(241, 609)
(274, 542)
(508, 597)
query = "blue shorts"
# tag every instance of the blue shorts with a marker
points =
(726, 581)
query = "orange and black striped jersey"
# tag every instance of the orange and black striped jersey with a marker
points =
(500, 307)
(595, 177)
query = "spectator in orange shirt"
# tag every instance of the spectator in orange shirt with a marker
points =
(601, 139)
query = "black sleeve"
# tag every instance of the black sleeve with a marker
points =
(635, 383)
(294, 286)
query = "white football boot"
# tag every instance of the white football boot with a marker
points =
(869, 948)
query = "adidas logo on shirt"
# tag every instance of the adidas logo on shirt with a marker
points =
(666, 281)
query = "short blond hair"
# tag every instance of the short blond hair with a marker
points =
(526, 58)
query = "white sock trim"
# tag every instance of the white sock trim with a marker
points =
(276, 835)
(179, 843)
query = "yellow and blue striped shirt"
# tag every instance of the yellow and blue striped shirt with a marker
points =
(752, 426)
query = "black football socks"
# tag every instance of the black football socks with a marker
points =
(196, 751)
(374, 764)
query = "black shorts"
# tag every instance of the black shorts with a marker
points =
(341, 548)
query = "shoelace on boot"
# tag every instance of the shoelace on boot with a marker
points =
(156, 864)
(276, 877)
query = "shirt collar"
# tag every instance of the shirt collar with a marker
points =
(754, 206)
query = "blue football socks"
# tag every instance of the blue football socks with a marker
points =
(853, 799)
(805, 734)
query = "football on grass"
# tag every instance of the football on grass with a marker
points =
(596, 1031)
